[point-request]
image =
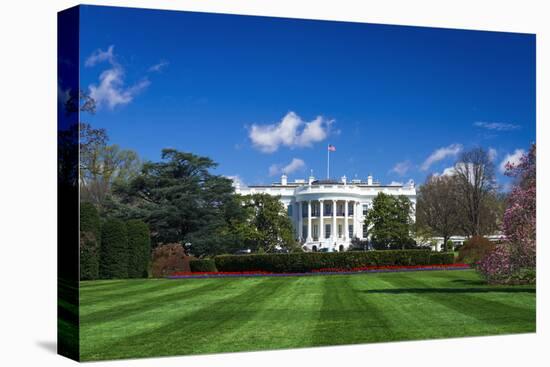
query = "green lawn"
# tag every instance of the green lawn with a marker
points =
(143, 318)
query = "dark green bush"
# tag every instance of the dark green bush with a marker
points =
(474, 250)
(90, 237)
(442, 258)
(113, 262)
(523, 276)
(139, 248)
(200, 265)
(308, 261)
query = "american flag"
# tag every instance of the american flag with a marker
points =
(331, 148)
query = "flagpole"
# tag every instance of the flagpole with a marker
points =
(328, 163)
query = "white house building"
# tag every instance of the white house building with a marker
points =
(327, 214)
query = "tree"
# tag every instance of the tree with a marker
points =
(272, 226)
(102, 165)
(180, 200)
(389, 222)
(90, 237)
(437, 207)
(475, 178)
(518, 252)
(520, 217)
(139, 248)
(114, 250)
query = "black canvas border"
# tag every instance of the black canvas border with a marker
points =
(68, 42)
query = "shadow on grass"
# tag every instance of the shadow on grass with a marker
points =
(469, 282)
(450, 290)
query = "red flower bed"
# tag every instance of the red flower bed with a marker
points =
(391, 267)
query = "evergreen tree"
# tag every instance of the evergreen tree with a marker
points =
(90, 237)
(114, 250)
(139, 248)
(180, 200)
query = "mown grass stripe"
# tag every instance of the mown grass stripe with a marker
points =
(189, 328)
(481, 303)
(124, 307)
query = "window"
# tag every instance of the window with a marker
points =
(327, 230)
(315, 231)
(365, 231)
(365, 209)
(304, 231)
(350, 231)
(327, 209)
(339, 230)
(350, 208)
(289, 210)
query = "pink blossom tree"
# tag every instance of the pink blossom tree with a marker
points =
(518, 253)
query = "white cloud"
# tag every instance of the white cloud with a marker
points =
(492, 154)
(462, 167)
(440, 154)
(99, 56)
(237, 180)
(111, 90)
(159, 66)
(449, 171)
(401, 168)
(497, 126)
(295, 165)
(396, 183)
(291, 132)
(513, 159)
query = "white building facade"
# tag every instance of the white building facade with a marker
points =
(328, 214)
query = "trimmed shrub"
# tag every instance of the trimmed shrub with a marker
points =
(139, 248)
(202, 265)
(474, 250)
(114, 250)
(169, 258)
(442, 258)
(306, 262)
(90, 237)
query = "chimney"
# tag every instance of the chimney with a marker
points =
(284, 180)
(369, 180)
(344, 179)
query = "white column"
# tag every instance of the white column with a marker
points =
(300, 221)
(346, 232)
(321, 218)
(356, 226)
(334, 229)
(309, 239)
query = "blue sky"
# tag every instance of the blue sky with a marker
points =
(262, 95)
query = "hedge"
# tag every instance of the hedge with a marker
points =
(139, 248)
(308, 261)
(442, 258)
(90, 236)
(200, 265)
(114, 250)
